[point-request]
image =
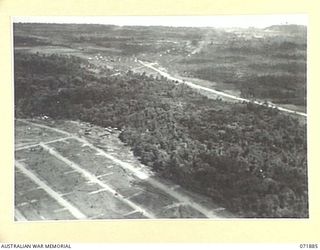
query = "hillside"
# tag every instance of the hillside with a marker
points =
(291, 28)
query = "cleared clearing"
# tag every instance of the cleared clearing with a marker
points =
(128, 188)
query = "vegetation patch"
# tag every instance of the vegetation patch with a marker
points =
(251, 159)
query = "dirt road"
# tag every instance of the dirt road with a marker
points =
(61, 174)
(219, 93)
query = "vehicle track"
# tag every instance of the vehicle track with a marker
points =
(195, 86)
(178, 198)
(64, 203)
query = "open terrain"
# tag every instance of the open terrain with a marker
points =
(210, 123)
(69, 175)
(260, 64)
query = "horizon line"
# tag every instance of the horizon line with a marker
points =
(223, 21)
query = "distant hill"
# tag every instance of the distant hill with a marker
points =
(287, 28)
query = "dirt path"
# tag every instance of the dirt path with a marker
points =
(64, 203)
(195, 86)
(105, 186)
(93, 179)
(98, 64)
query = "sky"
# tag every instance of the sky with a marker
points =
(242, 21)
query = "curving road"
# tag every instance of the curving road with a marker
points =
(195, 86)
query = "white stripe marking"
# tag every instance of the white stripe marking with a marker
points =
(220, 209)
(183, 198)
(18, 145)
(46, 127)
(103, 175)
(90, 183)
(96, 216)
(65, 194)
(98, 191)
(70, 172)
(94, 179)
(22, 204)
(143, 176)
(134, 195)
(174, 205)
(18, 215)
(60, 210)
(132, 212)
(48, 142)
(27, 147)
(175, 187)
(73, 210)
(138, 173)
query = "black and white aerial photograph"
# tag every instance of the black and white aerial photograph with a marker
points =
(160, 117)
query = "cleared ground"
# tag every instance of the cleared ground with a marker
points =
(70, 170)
